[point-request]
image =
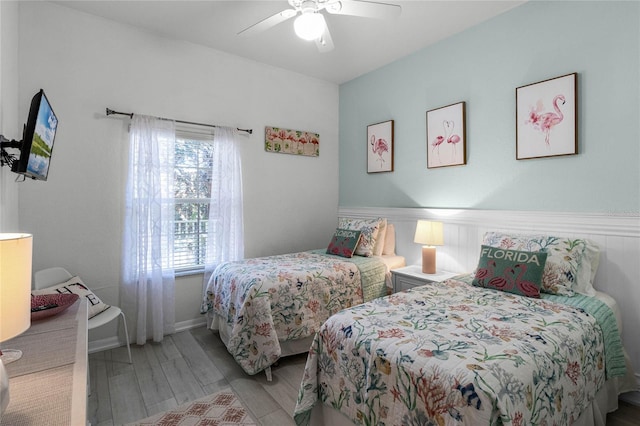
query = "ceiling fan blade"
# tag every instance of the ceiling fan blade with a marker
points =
(269, 22)
(367, 9)
(325, 42)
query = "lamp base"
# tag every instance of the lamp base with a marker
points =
(7, 356)
(428, 260)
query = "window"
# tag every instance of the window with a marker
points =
(192, 183)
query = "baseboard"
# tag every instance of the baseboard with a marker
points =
(114, 342)
(189, 324)
(104, 344)
(631, 397)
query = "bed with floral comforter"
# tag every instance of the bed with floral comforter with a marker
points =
(450, 353)
(269, 300)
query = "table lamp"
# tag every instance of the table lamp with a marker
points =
(430, 235)
(15, 300)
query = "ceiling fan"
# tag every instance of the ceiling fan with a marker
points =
(310, 23)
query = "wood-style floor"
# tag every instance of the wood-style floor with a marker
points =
(192, 364)
(184, 367)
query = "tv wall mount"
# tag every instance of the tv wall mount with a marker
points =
(7, 159)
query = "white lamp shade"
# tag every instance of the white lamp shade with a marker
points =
(429, 233)
(15, 284)
(309, 26)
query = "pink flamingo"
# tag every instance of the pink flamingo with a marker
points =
(527, 287)
(453, 139)
(379, 147)
(436, 143)
(505, 282)
(482, 273)
(545, 122)
(303, 140)
(271, 135)
(439, 139)
(294, 142)
(316, 144)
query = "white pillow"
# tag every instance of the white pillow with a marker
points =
(587, 274)
(76, 286)
(390, 240)
(378, 248)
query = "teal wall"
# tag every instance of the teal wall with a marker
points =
(483, 66)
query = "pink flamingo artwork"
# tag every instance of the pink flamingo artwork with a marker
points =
(379, 146)
(288, 141)
(546, 121)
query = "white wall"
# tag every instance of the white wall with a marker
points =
(9, 126)
(86, 64)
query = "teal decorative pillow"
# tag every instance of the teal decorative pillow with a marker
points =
(344, 242)
(571, 262)
(513, 271)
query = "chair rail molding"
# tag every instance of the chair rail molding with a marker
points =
(622, 224)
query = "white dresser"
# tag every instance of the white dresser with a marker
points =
(48, 385)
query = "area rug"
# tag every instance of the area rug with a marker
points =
(219, 409)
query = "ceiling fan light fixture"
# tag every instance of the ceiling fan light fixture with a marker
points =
(309, 25)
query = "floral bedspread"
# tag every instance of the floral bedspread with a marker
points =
(452, 354)
(269, 299)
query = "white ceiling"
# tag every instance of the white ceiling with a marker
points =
(361, 44)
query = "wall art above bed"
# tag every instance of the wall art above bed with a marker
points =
(446, 136)
(547, 118)
(287, 141)
(380, 147)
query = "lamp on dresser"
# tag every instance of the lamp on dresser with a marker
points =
(15, 300)
(429, 234)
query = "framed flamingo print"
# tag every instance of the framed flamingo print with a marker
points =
(547, 118)
(446, 136)
(380, 147)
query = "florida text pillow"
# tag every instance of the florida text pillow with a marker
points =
(513, 271)
(571, 262)
(344, 242)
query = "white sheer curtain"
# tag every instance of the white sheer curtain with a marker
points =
(225, 238)
(148, 277)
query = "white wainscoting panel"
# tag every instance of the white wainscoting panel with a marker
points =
(617, 235)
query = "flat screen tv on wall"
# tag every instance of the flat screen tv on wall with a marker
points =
(37, 141)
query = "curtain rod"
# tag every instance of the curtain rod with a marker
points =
(130, 114)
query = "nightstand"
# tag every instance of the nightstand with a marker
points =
(412, 276)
